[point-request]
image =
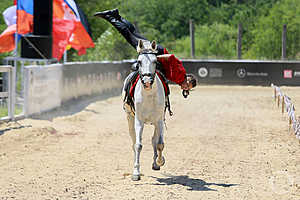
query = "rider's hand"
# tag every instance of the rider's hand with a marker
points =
(184, 85)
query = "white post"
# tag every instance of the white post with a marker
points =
(9, 89)
(66, 56)
(13, 91)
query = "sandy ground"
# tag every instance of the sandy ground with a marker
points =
(224, 142)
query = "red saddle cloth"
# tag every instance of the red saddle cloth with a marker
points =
(166, 88)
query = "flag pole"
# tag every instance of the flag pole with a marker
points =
(66, 56)
(14, 70)
(16, 34)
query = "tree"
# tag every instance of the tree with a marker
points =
(267, 32)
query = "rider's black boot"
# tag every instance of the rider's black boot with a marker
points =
(108, 14)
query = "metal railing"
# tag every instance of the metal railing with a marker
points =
(6, 93)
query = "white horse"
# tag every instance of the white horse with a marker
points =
(149, 102)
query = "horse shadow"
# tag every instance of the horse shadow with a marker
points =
(192, 184)
(3, 131)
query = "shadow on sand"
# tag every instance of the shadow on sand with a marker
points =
(2, 131)
(190, 183)
(76, 105)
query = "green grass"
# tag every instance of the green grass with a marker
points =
(4, 111)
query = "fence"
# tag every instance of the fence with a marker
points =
(6, 94)
(48, 87)
(286, 104)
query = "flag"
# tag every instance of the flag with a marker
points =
(24, 16)
(63, 27)
(81, 37)
(10, 16)
(68, 29)
(7, 38)
(19, 18)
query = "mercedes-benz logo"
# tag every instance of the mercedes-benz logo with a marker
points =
(203, 72)
(241, 72)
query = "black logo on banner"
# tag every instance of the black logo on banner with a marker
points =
(241, 72)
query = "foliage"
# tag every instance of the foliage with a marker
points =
(212, 41)
(169, 17)
(268, 31)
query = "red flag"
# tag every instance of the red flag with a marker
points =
(67, 29)
(7, 39)
(62, 31)
(80, 39)
(63, 27)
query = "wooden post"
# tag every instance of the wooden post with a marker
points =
(239, 42)
(275, 94)
(278, 102)
(192, 36)
(283, 40)
(282, 105)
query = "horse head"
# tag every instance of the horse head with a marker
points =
(147, 62)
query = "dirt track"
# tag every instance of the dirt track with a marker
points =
(222, 143)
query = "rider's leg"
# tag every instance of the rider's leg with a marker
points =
(124, 27)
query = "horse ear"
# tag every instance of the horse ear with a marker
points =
(140, 46)
(153, 45)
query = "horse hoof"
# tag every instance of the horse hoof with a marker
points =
(136, 177)
(161, 161)
(155, 167)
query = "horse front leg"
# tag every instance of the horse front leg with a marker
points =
(158, 146)
(139, 126)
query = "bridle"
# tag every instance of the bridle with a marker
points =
(144, 76)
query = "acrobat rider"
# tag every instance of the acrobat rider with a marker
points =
(172, 66)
